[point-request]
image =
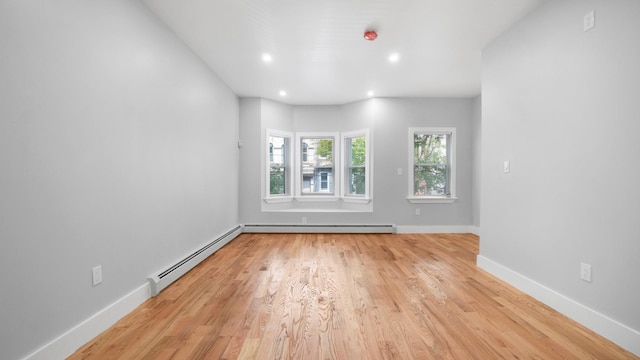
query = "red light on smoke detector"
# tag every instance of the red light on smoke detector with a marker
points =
(370, 35)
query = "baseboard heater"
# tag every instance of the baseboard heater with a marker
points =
(307, 228)
(160, 281)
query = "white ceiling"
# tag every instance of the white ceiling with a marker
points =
(320, 56)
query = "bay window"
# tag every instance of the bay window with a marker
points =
(317, 167)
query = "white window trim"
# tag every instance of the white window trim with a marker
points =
(354, 198)
(430, 199)
(268, 197)
(336, 168)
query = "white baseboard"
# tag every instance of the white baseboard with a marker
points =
(67, 343)
(618, 333)
(316, 228)
(446, 229)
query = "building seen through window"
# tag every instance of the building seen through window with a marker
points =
(317, 165)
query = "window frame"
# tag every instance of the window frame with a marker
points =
(320, 196)
(288, 196)
(346, 151)
(451, 163)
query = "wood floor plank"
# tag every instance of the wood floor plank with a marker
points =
(346, 296)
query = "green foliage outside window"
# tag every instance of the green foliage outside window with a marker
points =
(325, 149)
(357, 171)
(430, 164)
(277, 181)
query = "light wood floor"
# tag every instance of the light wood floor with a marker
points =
(345, 296)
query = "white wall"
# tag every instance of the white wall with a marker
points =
(389, 120)
(562, 105)
(117, 147)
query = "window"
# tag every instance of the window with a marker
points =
(356, 163)
(324, 181)
(317, 169)
(432, 165)
(279, 179)
(320, 167)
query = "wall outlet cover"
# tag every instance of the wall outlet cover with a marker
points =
(96, 273)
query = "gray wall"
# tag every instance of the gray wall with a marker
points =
(250, 165)
(117, 147)
(563, 106)
(476, 149)
(389, 120)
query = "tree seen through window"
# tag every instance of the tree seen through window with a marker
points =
(431, 166)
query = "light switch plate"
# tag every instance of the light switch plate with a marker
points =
(589, 20)
(585, 272)
(96, 273)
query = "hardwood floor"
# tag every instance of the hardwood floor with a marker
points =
(346, 296)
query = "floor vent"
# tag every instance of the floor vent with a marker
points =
(163, 279)
(306, 228)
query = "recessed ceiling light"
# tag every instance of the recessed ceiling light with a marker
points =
(283, 93)
(394, 57)
(370, 93)
(266, 57)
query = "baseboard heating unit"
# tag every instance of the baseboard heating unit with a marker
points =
(307, 228)
(163, 279)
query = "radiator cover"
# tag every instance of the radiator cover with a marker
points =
(172, 273)
(308, 228)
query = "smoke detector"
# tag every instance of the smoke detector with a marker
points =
(370, 35)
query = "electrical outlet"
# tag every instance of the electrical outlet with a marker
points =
(585, 272)
(507, 166)
(399, 171)
(304, 219)
(417, 211)
(97, 275)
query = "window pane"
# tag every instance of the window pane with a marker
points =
(431, 164)
(277, 181)
(357, 180)
(356, 147)
(317, 165)
(278, 165)
(430, 148)
(320, 180)
(430, 180)
(319, 152)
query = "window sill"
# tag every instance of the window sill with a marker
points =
(431, 199)
(320, 204)
(356, 200)
(277, 200)
(315, 210)
(286, 199)
(317, 198)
